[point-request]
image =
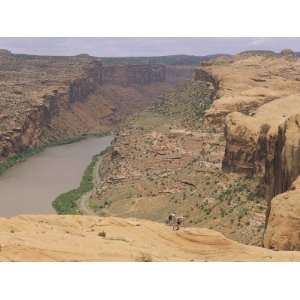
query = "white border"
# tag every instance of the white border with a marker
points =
(156, 18)
(149, 281)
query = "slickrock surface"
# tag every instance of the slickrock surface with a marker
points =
(88, 238)
(246, 82)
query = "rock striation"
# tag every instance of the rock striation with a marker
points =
(284, 168)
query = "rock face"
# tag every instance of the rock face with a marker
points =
(56, 238)
(283, 228)
(248, 81)
(258, 104)
(285, 166)
(40, 97)
(241, 138)
(134, 74)
(257, 98)
(252, 142)
(34, 90)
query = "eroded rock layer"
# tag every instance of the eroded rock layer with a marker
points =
(257, 95)
(258, 103)
(53, 97)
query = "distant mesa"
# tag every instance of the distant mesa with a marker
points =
(4, 52)
(287, 52)
(257, 52)
(84, 55)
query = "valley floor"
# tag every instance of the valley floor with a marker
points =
(164, 160)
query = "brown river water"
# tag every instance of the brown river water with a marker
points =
(31, 186)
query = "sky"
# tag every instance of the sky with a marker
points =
(132, 46)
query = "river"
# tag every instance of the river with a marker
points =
(31, 186)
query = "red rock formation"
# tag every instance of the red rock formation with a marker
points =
(284, 166)
(53, 85)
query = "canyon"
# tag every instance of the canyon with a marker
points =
(222, 150)
(50, 98)
(181, 160)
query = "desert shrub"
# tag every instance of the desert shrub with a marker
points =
(102, 234)
(145, 258)
(66, 203)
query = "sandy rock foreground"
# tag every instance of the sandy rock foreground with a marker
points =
(89, 238)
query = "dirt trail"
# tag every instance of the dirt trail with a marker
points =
(83, 202)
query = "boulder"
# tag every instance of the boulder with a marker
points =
(283, 226)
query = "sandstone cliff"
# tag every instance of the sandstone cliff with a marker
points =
(134, 74)
(283, 227)
(87, 238)
(57, 97)
(246, 82)
(256, 95)
(284, 168)
(258, 104)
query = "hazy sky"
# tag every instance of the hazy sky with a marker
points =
(144, 46)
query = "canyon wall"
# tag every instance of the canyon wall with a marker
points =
(257, 94)
(24, 123)
(283, 224)
(134, 74)
(37, 93)
(258, 105)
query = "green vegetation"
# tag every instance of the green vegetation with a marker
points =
(66, 203)
(102, 234)
(16, 158)
(235, 190)
(187, 105)
(22, 156)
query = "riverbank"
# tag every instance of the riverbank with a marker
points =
(14, 159)
(31, 186)
(69, 202)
